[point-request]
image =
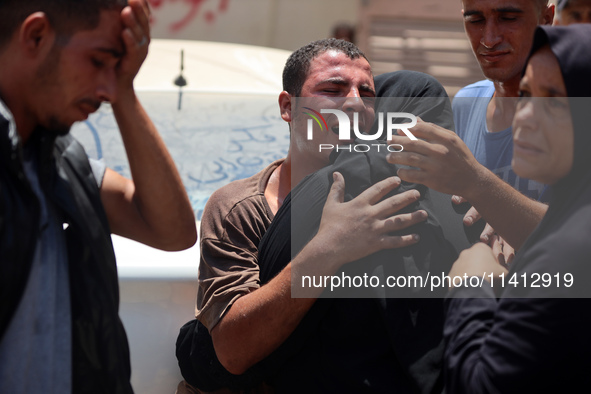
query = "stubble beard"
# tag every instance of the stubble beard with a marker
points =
(46, 77)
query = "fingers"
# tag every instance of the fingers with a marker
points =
(502, 250)
(509, 253)
(402, 221)
(418, 153)
(407, 157)
(136, 19)
(412, 175)
(376, 192)
(136, 37)
(433, 140)
(337, 189)
(471, 217)
(477, 260)
(418, 146)
(396, 202)
(141, 11)
(428, 131)
(458, 200)
(487, 234)
(436, 147)
(363, 228)
(147, 8)
(497, 249)
(394, 242)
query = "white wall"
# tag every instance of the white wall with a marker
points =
(286, 24)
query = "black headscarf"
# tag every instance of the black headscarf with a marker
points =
(572, 47)
(554, 239)
(534, 339)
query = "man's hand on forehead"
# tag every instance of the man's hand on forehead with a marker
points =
(136, 38)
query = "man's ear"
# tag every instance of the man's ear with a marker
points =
(36, 34)
(285, 101)
(548, 14)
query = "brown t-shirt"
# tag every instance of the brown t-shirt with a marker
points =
(234, 220)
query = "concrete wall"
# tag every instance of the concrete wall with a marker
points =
(285, 24)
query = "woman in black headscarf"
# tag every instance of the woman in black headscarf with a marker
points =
(536, 337)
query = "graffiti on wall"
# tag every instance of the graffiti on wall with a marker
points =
(194, 10)
(214, 139)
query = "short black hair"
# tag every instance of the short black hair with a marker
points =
(65, 16)
(297, 66)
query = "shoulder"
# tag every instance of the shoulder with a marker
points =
(68, 151)
(238, 204)
(241, 191)
(484, 88)
(470, 104)
(68, 146)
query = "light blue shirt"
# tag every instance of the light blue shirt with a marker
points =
(36, 349)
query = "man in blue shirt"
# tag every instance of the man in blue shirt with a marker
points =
(500, 34)
(476, 165)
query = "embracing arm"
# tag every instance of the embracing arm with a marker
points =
(153, 208)
(260, 321)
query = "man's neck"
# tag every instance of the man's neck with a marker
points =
(508, 88)
(278, 186)
(285, 177)
(501, 108)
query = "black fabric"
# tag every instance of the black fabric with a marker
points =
(537, 339)
(196, 355)
(406, 330)
(100, 356)
(200, 366)
(198, 362)
(416, 93)
(570, 45)
(19, 210)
